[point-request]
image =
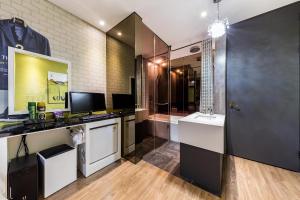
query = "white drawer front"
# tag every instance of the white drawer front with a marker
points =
(103, 142)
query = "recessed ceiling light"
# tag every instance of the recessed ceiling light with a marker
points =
(119, 33)
(203, 14)
(158, 61)
(102, 23)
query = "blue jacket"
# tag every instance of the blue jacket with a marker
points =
(30, 41)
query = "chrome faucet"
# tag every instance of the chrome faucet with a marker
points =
(210, 110)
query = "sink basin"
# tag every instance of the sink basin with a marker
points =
(205, 116)
(203, 131)
(215, 119)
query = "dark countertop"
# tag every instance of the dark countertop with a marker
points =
(36, 126)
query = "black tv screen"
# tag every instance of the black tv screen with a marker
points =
(83, 102)
(123, 101)
(98, 102)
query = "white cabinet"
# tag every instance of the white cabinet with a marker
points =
(53, 177)
(128, 138)
(102, 147)
(103, 142)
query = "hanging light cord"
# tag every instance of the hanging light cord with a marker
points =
(23, 144)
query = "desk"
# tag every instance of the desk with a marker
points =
(102, 142)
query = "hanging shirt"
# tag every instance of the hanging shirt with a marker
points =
(14, 35)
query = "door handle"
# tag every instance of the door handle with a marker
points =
(234, 106)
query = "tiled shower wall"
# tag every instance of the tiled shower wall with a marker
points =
(206, 98)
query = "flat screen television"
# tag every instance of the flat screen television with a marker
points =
(123, 101)
(98, 102)
(84, 102)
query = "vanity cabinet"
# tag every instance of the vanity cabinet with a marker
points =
(202, 140)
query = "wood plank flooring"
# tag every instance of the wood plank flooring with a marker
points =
(244, 180)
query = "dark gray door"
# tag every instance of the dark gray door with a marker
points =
(263, 88)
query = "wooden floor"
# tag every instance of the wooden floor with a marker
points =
(245, 180)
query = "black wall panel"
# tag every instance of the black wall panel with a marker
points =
(263, 81)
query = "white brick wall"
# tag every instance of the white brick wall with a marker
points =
(70, 38)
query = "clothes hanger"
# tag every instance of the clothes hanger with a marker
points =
(18, 21)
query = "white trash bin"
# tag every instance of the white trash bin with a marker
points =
(58, 167)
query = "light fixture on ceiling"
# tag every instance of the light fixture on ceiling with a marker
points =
(119, 33)
(194, 49)
(158, 61)
(203, 14)
(219, 27)
(164, 64)
(102, 23)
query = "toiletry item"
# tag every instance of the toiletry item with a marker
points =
(32, 110)
(41, 110)
(59, 115)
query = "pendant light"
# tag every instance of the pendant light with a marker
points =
(219, 27)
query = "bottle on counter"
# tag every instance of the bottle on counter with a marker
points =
(32, 110)
(41, 110)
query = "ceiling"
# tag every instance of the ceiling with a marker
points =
(177, 22)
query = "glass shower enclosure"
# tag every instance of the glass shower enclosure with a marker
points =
(139, 64)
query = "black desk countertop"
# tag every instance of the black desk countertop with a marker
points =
(30, 127)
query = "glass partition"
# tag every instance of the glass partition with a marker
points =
(139, 64)
(144, 53)
(121, 80)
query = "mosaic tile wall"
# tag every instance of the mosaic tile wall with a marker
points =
(206, 100)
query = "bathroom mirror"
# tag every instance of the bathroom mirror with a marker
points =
(185, 78)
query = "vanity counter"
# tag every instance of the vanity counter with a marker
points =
(23, 128)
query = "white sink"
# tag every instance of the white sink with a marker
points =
(203, 131)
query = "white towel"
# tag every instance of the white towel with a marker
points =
(77, 136)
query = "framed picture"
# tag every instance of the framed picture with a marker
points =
(36, 78)
(57, 87)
